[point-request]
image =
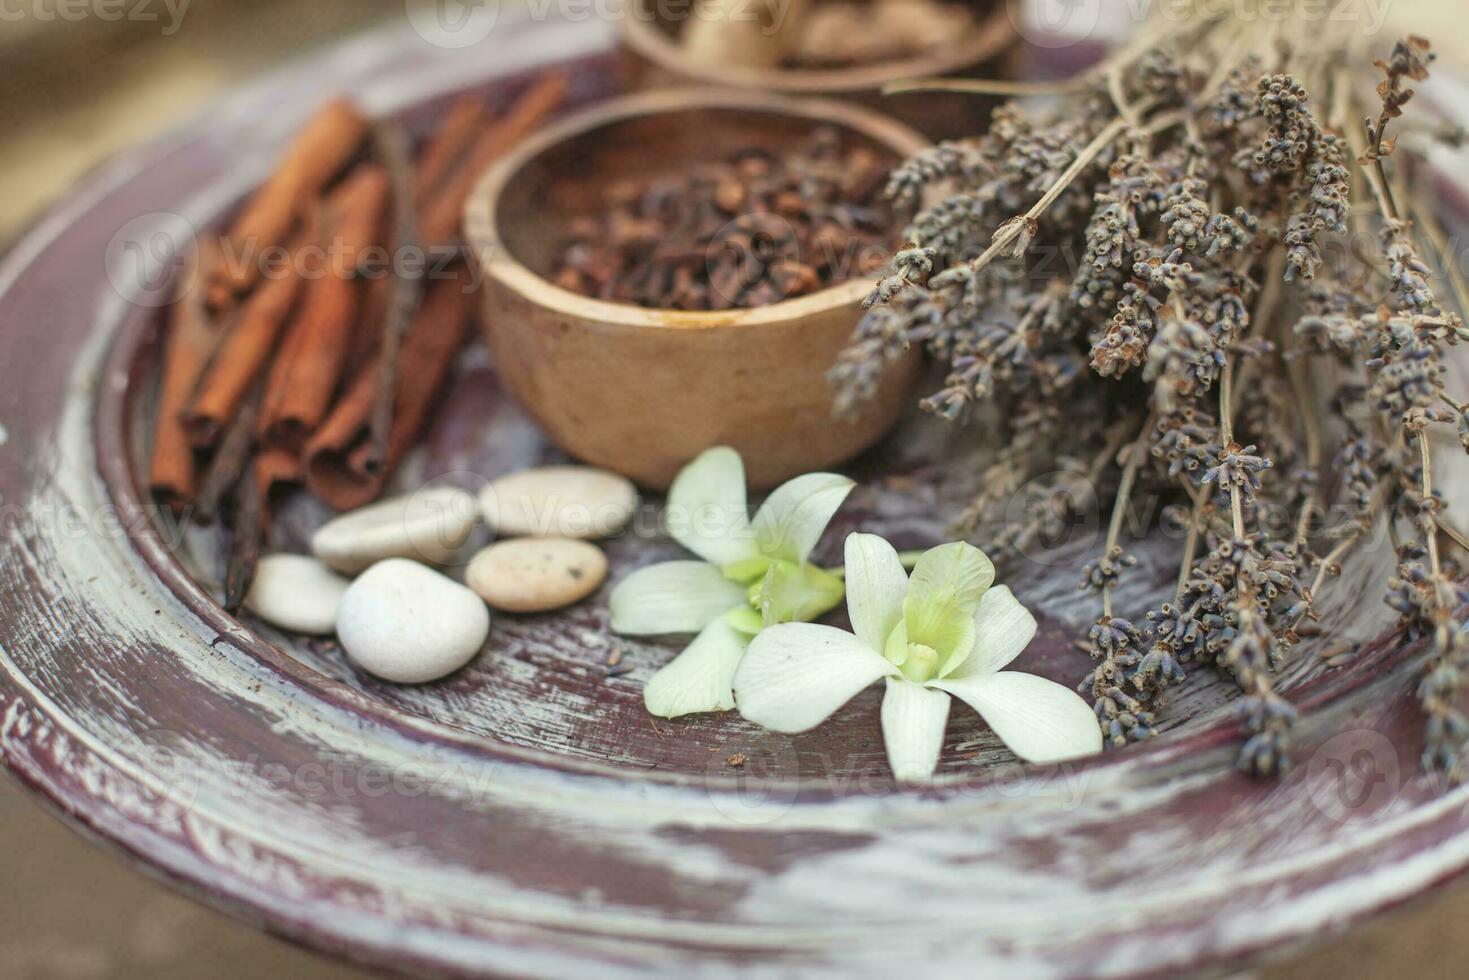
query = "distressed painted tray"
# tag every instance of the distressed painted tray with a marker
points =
(526, 816)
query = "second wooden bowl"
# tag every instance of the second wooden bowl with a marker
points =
(643, 391)
(654, 58)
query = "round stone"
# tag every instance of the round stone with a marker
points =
(559, 502)
(428, 526)
(530, 575)
(297, 594)
(406, 623)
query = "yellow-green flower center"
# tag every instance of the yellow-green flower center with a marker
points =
(756, 594)
(779, 591)
(921, 664)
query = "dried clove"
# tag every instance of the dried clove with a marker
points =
(752, 230)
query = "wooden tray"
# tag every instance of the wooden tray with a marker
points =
(527, 817)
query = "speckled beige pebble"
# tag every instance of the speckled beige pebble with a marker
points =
(559, 501)
(530, 575)
(427, 526)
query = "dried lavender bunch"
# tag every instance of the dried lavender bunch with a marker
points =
(1152, 272)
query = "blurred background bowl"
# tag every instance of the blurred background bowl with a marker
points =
(656, 59)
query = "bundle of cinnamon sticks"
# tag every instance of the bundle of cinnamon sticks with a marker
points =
(290, 359)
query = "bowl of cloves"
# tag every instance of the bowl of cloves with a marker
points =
(849, 49)
(673, 271)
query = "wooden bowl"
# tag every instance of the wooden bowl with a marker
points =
(654, 58)
(643, 391)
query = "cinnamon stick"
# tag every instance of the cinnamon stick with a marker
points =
(276, 468)
(243, 354)
(450, 145)
(282, 364)
(377, 294)
(191, 342)
(336, 459)
(306, 374)
(354, 213)
(444, 210)
(323, 147)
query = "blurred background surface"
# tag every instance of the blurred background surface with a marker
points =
(73, 91)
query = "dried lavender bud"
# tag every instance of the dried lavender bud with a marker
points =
(944, 228)
(1186, 441)
(1294, 136)
(1360, 463)
(1282, 103)
(885, 334)
(1229, 232)
(1124, 346)
(1268, 720)
(965, 162)
(1408, 272)
(1116, 644)
(1334, 319)
(1236, 102)
(1409, 62)
(1238, 468)
(1186, 214)
(1409, 381)
(1158, 671)
(912, 267)
(1159, 76)
(1105, 572)
(1447, 730)
(1181, 355)
(1410, 59)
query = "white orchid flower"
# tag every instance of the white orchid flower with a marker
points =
(943, 632)
(754, 574)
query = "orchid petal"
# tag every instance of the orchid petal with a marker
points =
(748, 571)
(876, 585)
(699, 679)
(1003, 629)
(707, 511)
(745, 619)
(913, 721)
(1041, 721)
(797, 675)
(943, 594)
(896, 647)
(798, 593)
(676, 597)
(794, 517)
